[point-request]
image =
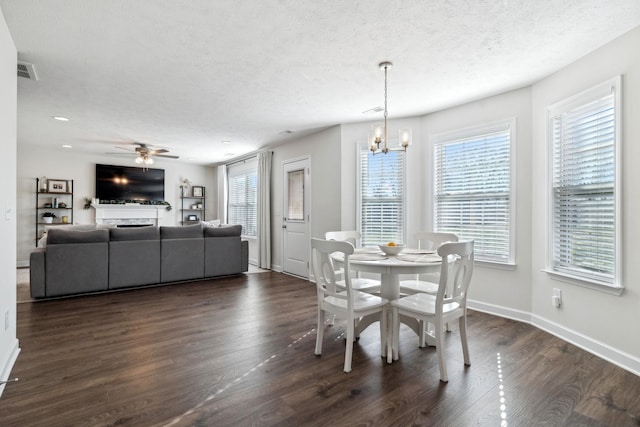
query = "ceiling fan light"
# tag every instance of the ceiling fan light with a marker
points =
(139, 160)
(148, 161)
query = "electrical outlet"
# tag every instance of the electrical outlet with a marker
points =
(556, 297)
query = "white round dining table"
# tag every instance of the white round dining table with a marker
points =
(390, 267)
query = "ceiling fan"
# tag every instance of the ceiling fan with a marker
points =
(144, 153)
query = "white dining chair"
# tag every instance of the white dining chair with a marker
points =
(371, 286)
(349, 304)
(448, 304)
(427, 284)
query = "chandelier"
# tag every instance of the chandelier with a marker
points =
(378, 136)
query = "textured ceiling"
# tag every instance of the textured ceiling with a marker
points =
(188, 74)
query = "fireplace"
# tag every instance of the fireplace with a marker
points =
(130, 215)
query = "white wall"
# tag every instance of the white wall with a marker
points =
(323, 149)
(510, 289)
(9, 347)
(80, 167)
(597, 319)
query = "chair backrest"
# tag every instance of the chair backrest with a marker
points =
(324, 269)
(351, 236)
(432, 240)
(457, 262)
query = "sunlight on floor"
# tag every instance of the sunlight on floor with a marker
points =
(503, 400)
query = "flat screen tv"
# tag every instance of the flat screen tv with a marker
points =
(129, 183)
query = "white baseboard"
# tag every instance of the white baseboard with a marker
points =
(610, 354)
(23, 264)
(276, 268)
(8, 364)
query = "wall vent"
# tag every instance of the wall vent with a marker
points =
(26, 70)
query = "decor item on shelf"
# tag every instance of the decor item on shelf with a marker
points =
(192, 218)
(57, 186)
(48, 217)
(88, 202)
(378, 136)
(185, 187)
(43, 184)
(198, 191)
(62, 205)
(65, 219)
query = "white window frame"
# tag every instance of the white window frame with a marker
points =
(615, 285)
(478, 131)
(244, 167)
(364, 148)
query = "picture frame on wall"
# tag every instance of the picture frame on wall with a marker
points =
(57, 186)
(197, 191)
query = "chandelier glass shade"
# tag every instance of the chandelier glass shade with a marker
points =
(144, 160)
(378, 136)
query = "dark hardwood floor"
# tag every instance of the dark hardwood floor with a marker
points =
(239, 352)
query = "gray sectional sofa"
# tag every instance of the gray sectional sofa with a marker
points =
(75, 262)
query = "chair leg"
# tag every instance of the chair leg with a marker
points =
(463, 337)
(319, 332)
(348, 352)
(440, 350)
(423, 330)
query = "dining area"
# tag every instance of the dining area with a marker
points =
(423, 287)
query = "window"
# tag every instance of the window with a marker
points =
(381, 194)
(584, 138)
(473, 189)
(242, 180)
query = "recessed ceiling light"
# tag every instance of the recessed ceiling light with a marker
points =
(67, 146)
(229, 154)
(286, 131)
(226, 142)
(60, 118)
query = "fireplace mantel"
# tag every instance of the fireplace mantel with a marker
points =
(129, 214)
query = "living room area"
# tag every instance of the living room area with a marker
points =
(230, 341)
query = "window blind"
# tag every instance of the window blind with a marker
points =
(381, 197)
(472, 189)
(584, 228)
(242, 198)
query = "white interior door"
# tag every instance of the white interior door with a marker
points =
(295, 218)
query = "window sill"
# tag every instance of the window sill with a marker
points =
(585, 283)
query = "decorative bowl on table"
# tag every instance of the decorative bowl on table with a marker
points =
(391, 250)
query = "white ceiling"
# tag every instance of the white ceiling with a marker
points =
(188, 74)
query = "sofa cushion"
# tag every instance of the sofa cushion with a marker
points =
(223, 231)
(134, 233)
(185, 232)
(75, 236)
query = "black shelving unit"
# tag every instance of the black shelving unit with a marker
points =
(58, 200)
(195, 206)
